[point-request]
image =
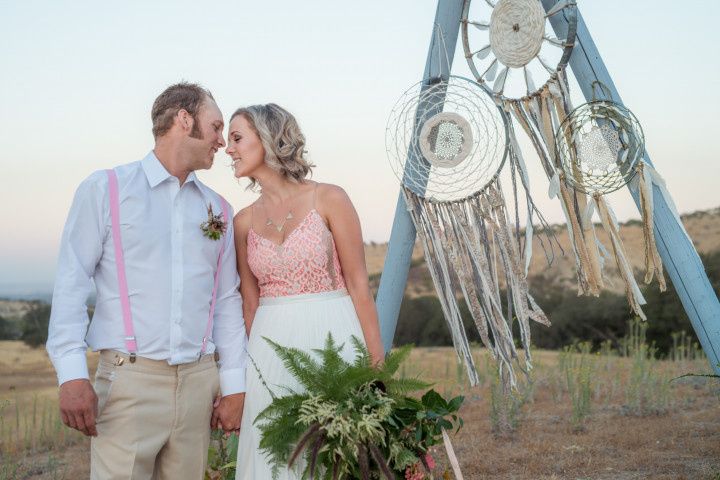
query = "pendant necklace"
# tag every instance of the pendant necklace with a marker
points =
(278, 227)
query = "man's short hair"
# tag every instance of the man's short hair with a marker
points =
(181, 96)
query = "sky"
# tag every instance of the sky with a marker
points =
(77, 80)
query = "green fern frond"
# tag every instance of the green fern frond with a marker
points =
(281, 405)
(362, 354)
(403, 386)
(299, 363)
(394, 359)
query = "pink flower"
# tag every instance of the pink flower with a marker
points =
(414, 472)
(430, 461)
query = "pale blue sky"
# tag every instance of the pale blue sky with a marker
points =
(77, 80)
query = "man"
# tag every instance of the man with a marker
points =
(161, 253)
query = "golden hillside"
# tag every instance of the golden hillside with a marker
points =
(702, 226)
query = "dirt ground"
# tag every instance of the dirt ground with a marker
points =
(681, 440)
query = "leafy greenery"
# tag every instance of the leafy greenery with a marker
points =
(6, 330)
(578, 367)
(222, 456)
(352, 420)
(35, 325)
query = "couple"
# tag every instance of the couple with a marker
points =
(180, 283)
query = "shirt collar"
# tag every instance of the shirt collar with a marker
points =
(156, 172)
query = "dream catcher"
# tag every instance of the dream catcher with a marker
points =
(447, 143)
(510, 36)
(597, 148)
(600, 147)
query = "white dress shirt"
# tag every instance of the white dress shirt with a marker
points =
(170, 268)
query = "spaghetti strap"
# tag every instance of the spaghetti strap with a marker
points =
(252, 216)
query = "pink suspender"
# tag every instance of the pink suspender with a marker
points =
(130, 341)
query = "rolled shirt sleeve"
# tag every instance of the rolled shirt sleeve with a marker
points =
(229, 328)
(80, 251)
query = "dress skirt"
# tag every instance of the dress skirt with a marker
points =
(299, 321)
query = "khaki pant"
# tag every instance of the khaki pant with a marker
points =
(153, 418)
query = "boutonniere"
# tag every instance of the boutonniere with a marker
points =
(214, 227)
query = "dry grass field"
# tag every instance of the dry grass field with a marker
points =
(584, 415)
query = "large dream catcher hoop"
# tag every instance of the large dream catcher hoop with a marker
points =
(447, 144)
(435, 150)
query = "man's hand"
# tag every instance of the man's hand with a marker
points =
(79, 406)
(227, 412)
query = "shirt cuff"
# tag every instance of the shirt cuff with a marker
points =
(232, 381)
(71, 367)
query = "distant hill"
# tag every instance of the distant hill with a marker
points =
(14, 310)
(702, 226)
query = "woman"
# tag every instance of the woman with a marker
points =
(301, 262)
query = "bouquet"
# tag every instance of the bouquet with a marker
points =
(353, 420)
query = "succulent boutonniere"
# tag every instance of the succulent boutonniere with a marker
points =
(214, 227)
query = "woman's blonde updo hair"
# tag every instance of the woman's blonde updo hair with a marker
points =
(281, 138)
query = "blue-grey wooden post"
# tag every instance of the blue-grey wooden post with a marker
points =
(681, 261)
(402, 237)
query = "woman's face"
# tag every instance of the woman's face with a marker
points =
(244, 147)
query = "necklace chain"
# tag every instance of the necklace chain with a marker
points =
(281, 226)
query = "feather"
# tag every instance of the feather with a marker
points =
(491, 71)
(483, 52)
(500, 82)
(529, 81)
(480, 25)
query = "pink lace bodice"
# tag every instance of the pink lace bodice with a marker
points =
(306, 262)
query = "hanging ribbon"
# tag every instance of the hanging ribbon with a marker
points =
(451, 456)
(469, 245)
(610, 224)
(653, 262)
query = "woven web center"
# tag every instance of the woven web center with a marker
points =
(599, 148)
(446, 140)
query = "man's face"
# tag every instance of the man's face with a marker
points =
(206, 136)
